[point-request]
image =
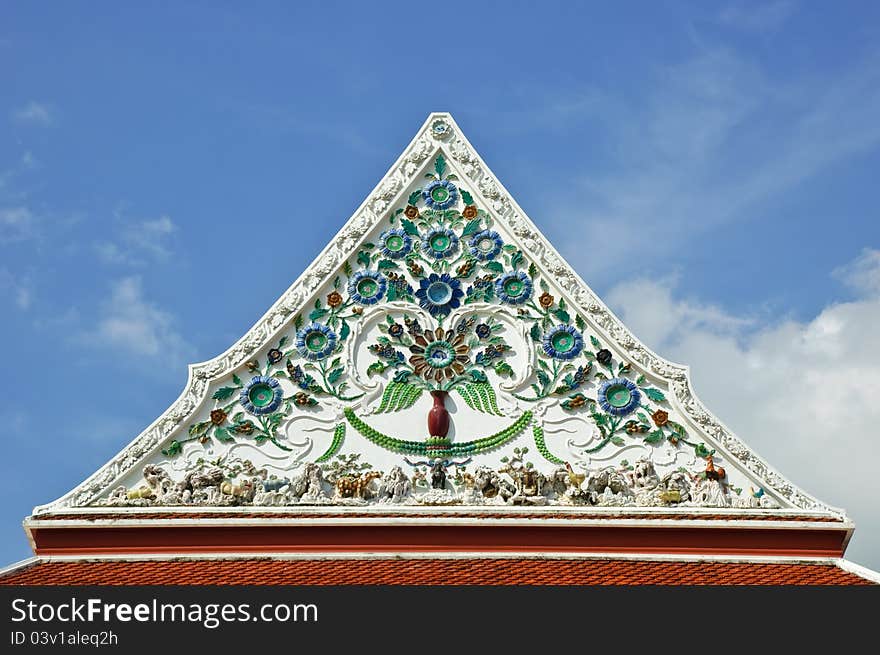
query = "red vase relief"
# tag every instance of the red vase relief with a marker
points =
(438, 417)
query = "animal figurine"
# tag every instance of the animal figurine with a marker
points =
(351, 486)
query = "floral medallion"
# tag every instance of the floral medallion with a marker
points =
(315, 341)
(262, 395)
(396, 244)
(440, 194)
(563, 342)
(367, 287)
(439, 294)
(619, 396)
(513, 288)
(440, 243)
(485, 245)
(437, 354)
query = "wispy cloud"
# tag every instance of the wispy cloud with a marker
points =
(758, 17)
(714, 139)
(137, 239)
(18, 290)
(129, 323)
(862, 274)
(803, 394)
(34, 113)
(16, 224)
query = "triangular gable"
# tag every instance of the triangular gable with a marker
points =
(439, 297)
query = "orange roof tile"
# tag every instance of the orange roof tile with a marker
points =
(470, 571)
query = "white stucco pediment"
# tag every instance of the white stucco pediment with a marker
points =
(438, 295)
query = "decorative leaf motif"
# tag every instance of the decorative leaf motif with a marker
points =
(386, 264)
(363, 258)
(344, 331)
(595, 342)
(236, 379)
(580, 322)
(315, 314)
(471, 228)
(535, 332)
(375, 368)
(222, 434)
(224, 393)
(409, 227)
(654, 437)
(654, 394)
(414, 197)
(466, 197)
(495, 267)
(398, 396)
(480, 397)
(561, 314)
(334, 375)
(440, 165)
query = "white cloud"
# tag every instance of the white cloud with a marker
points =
(16, 224)
(714, 138)
(18, 290)
(862, 274)
(129, 323)
(802, 394)
(34, 113)
(758, 18)
(136, 239)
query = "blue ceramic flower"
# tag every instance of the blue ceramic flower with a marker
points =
(619, 396)
(485, 245)
(262, 395)
(563, 342)
(315, 341)
(439, 243)
(439, 294)
(440, 194)
(396, 244)
(513, 287)
(367, 287)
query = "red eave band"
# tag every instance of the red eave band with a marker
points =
(414, 537)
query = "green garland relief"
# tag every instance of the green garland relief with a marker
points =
(398, 396)
(538, 433)
(335, 445)
(473, 447)
(480, 397)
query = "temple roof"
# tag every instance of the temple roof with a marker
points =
(438, 364)
(432, 571)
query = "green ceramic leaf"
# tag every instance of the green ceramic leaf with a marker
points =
(334, 375)
(414, 196)
(409, 227)
(535, 332)
(495, 267)
(466, 197)
(344, 331)
(236, 379)
(654, 394)
(579, 321)
(387, 264)
(595, 342)
(224, 393)
(561, 314)
(375, 368)
(363, 258)
(440, 165)
(315, 314)
(222, 434)
(654, 437)
(471, 228)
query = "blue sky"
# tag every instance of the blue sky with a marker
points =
(709, 168)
